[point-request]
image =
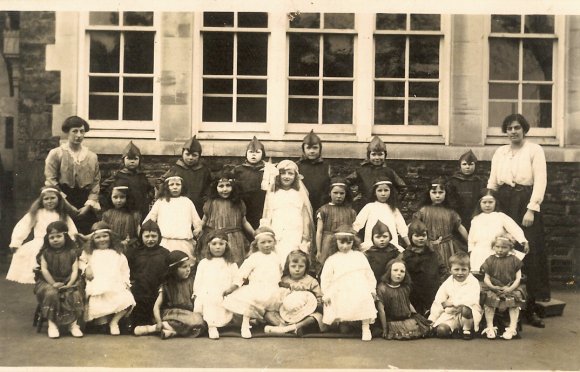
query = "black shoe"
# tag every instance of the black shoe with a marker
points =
(543, 299)
(535, 321)
(467, 335)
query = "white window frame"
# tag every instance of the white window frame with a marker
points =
(118, 128)
(549, 135)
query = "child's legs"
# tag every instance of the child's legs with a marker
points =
(489, 315)
(514, 316)
(443, 330)
(274, 318)
(48, 299)
(118, 316)
(466, 318)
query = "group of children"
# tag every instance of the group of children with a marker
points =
(187, 262)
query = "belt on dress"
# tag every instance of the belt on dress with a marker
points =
(516, 187)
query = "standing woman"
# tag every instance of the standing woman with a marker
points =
(75, 169)
(518, 173)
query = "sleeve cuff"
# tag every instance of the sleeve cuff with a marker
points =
(533, 206)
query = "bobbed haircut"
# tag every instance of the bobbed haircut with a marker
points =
(386, 278)
(74, 122)
(519, 118)
(296, 255)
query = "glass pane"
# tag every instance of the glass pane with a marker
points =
(338, 55)
(506, 23)
(218, 19)
(247, 19)
(337, 111)
(389, 56)
(499, 110)
(252, 54)
(539, 24)
(503, 91)
(302, 87)
(218, 53)
(305, 20)
(538, 59)
(423, 112)
(339, 20)
(503, 59)
(137, 108)
(103, 84)
(539, 115)
(217, 109)
(424, 57)
(304, 55)
(218, 86)
(104, 18)
(537, 91)
(337, 88)
(391, 21)
(252, 86)
(104, 52)
(389, 112)
(139, 56)
(138, 18)
(430, 22)
(389, 89)
(251, 110)
(302, 110)
(138, 85)
(103, 107)
(424, 90)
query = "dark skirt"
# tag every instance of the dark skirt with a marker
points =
(184, 322)
(77, 197)
(64, 306)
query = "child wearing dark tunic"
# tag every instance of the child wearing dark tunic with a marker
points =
(382, 251)
(122, 218)
(315, 170)
(424, 266)
(148, 263)
(249, 177)
(467, 186)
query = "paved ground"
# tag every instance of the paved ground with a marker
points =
(553, 348)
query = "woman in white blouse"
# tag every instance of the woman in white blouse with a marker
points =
(518, 173)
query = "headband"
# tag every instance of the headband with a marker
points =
(173, 177)
(180, 261)
(488, 197)
(343, 234)
(49, 189)
(121, 188)
(338, 184)
(383, 183)
(230, 180)
(263, 233)
(102, 231)
(437, 184)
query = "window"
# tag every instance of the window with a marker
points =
(407, 72)
(120, 74)
(522, 63)
(235, 67)
(321, 68)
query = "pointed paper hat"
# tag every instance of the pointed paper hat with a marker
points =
(255, 145)
(131, 151)
(380, 228)
(376, 145)
(192, 145)
(311, 139)
(469, 157)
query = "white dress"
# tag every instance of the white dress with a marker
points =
(24, 260)
(212, 278)
(484, 228)
(108, 293)
(286, 212)
(263, 272)
(376, 211)
(348, 282)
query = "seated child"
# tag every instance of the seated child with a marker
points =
(382, 251)
(456, 303)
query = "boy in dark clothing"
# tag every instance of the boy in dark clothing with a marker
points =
(315, 170)
(467, 187)
(382, 251)
(249, 176)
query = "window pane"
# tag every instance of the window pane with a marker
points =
(137, 108)
(217, 109)
(506, 23)
(104, 52)
(139, 52)
(218, 86)
(302, 87)
(247, 19)
(537, 91)
(539, 24)
(339, 20)
(424, 57)
(251, 110)
(430, 22)
(104, 18)
(389, 89)
(538, 59)
(423, 112)
(539, 115)
(252, 54)
(138, 85)
(424, 90)
(138, 18)
(103, 84)
(303, 110)
(503, 59)
(389, 56)
(389, 112)
(503, 91)
(391, 21)
(499, 110)
(337, 88)
(304, 55)
(218, 53)
(103, 107)
(338, 55)
(218, 19)
(337, 111)
(252, 86)
(306, 20)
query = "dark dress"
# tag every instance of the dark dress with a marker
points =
(502, 272)
(402, 324)
(148, 267)
(177, 307)
(123, 223)
(249, 177)
(332, 216)
(378, 259)
(62, 306)
(467, 188)
(140, 189)
(427, 273)
(316, 179)
(366, 175)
